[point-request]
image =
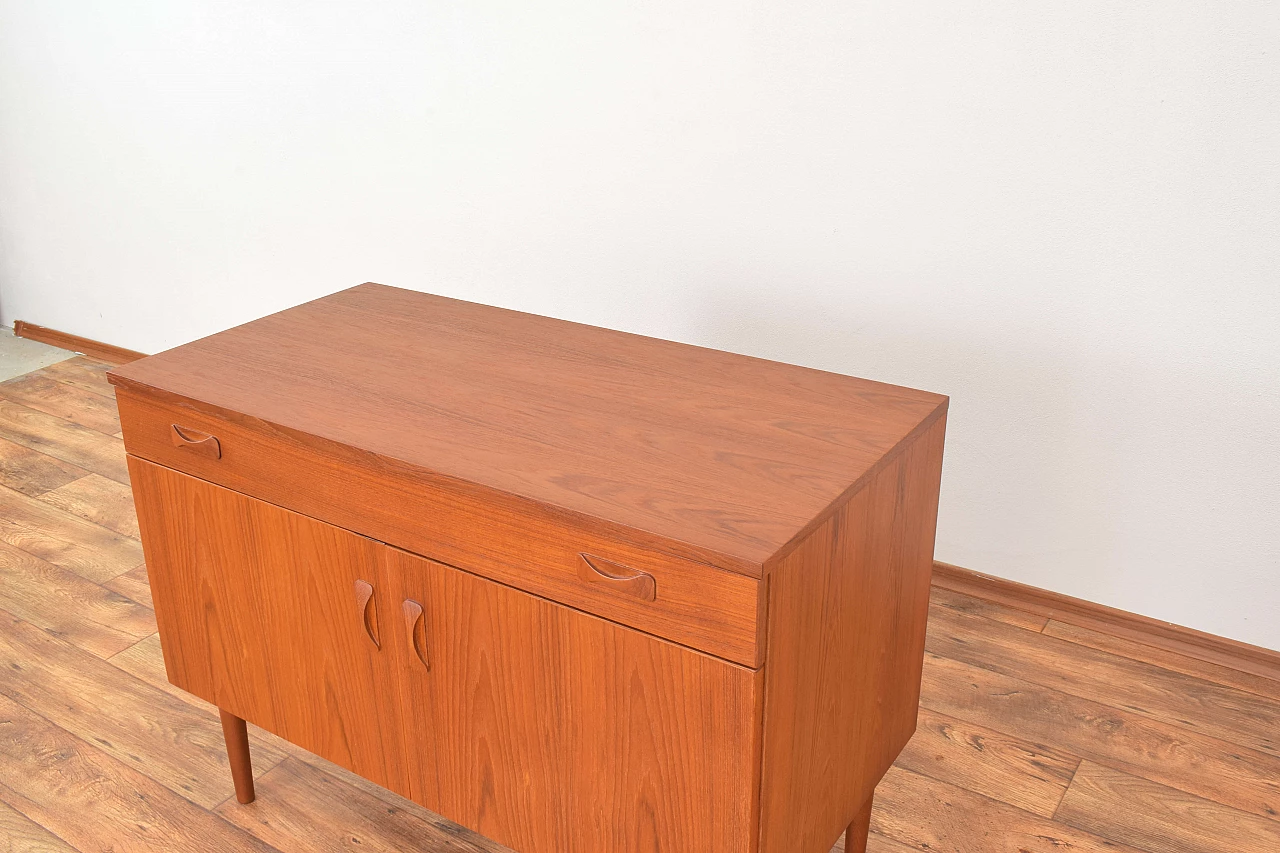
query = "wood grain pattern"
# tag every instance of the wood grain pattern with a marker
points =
(877, 843)
(322, 807)
(20, 834)
(193, 441)
(236, 735)
(81, 372)
(301, 809)
(736, 457)
(144, 660)
(31, 472)
(80, 446)
(1167, 659)
(132, 584)
(95, 802)
(1158, 819)
(1163, 751)
(518, 543)
(1119, 623)
(942, 818)
(1243, 718)
(254, 605)
(95, 498)
(90, 551)
(551, 731)
(847, 612)
(68, 606)
(988, 762)
(68, 402)
(856, 836)
(123, 717)
(942, 597)
(65, 340)
(618, 577)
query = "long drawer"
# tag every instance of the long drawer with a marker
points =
(520, 543)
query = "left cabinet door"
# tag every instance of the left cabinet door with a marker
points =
(274, 617)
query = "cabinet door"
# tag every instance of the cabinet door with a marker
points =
(550, 730)
(260, 613)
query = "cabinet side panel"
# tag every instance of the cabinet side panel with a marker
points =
(847, 614)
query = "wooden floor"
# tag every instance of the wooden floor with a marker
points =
(1034, 736)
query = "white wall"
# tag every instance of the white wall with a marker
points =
(1062, 214)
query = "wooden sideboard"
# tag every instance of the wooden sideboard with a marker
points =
(575, 589)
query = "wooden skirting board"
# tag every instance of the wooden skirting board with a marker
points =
(1109, 620)
(95, 349)
(1053, 605)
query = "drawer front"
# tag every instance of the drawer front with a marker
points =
(507, 539)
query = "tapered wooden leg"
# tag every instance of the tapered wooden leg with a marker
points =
(855, 837)
(237, 735)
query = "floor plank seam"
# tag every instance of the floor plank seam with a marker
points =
(16, 796)
(104, 583)
(1065, 790)
(18, 402)
(111, 659)
(1103, 626)
(1137, 710)
(78, 519)
(1031, 817)
(1102, 763)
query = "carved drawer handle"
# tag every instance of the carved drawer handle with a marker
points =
(617, 577)
(193, 439)
(368, 610)
(415, 625)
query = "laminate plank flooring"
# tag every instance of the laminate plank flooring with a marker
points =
(97, 499)
(95, 802)
(20, 834)
(31, 472)
(69, 402)
(90, 550)
(1232, 715)
(1216, 673)
(133, 584)
(64, 440)
(95, 619)
(1035, 735)
(301, 808)
(1121, 806)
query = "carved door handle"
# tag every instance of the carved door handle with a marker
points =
(415, 625)
(368, 610)
(194, 439)
(618, 577)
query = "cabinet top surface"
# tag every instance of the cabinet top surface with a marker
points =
(730, 455)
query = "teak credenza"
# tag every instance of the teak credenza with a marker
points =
(575, 589)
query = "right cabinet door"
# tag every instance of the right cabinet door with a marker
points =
(550, 730)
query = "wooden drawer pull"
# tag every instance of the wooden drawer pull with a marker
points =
(415, 625)
(618, 577)
(368, 610)
(193, 439)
